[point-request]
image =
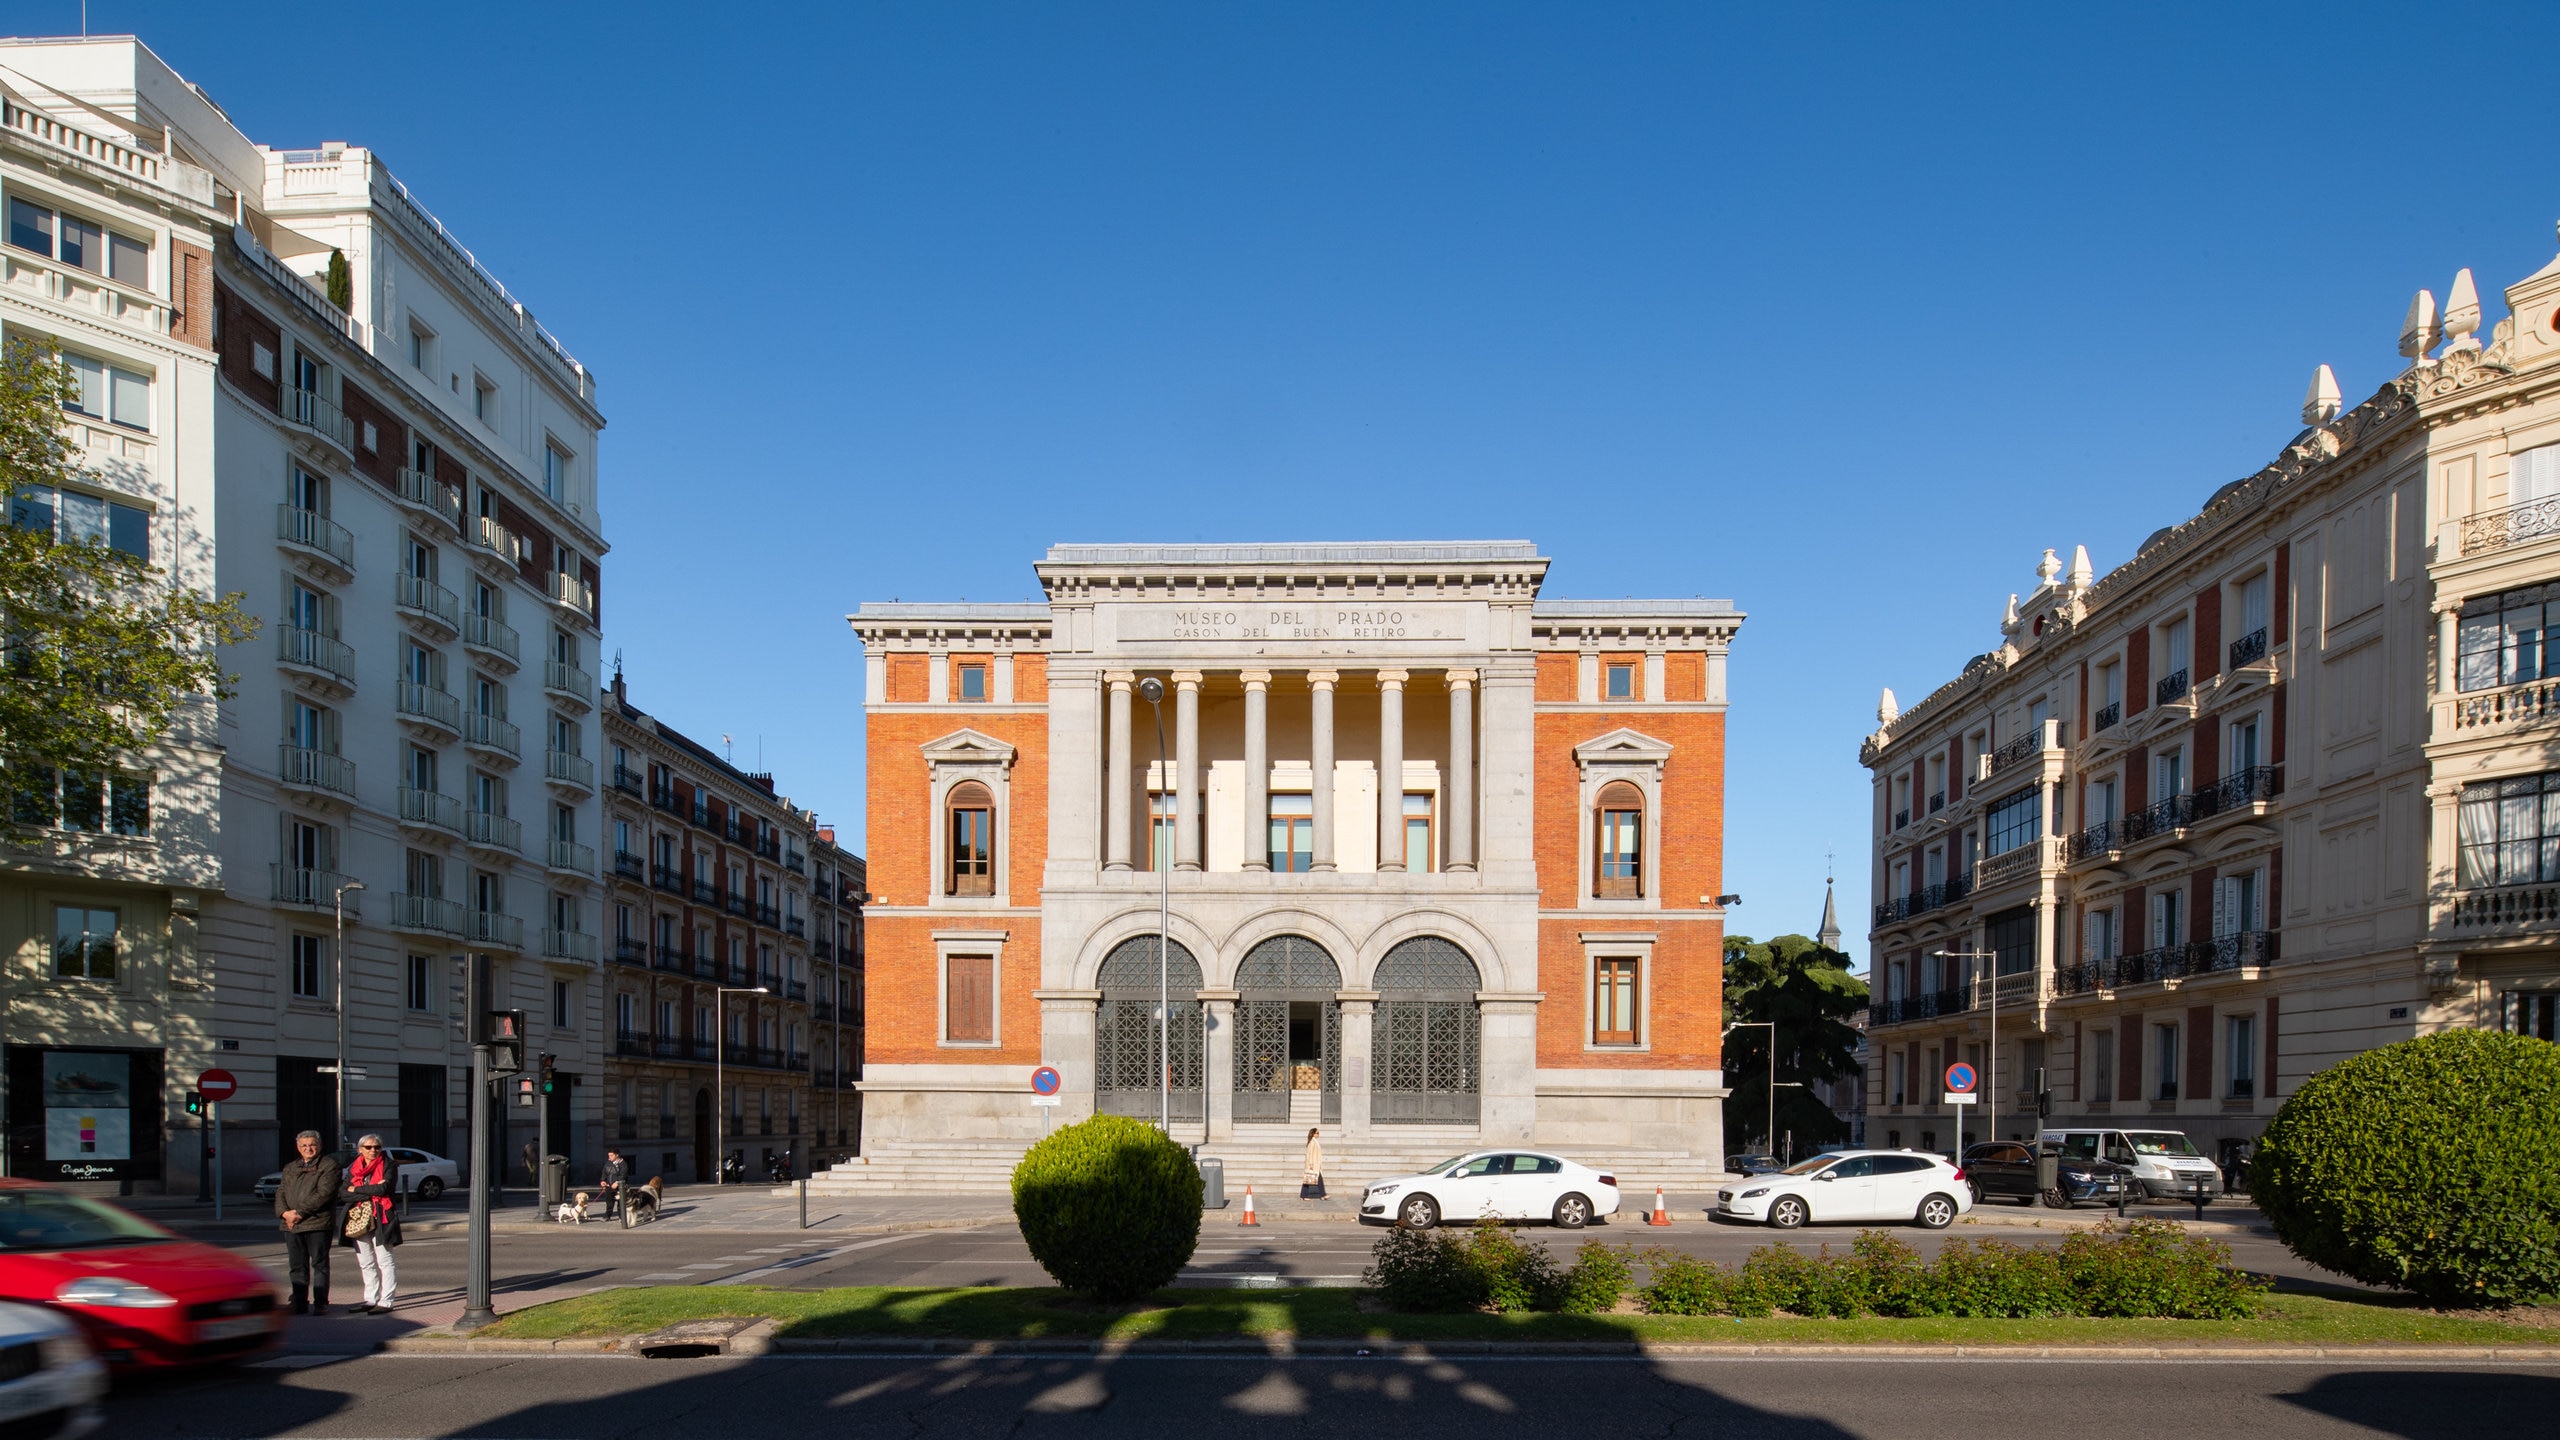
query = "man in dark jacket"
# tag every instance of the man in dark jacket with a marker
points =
(307, 1198)
(617, 1173)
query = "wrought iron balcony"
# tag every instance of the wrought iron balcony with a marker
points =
(822, 1008)
(630, 950)
(420, 596)
(706, 893)
(2040, 737)
(768, 917)
(426, 914)
(311, 650)
(2158, 818)
(313, 889)
(823, 890)
(1901, 818)
(2107, 716)
(493, 636)
(432, 495)
(1937, 801)
(488, 732)
(2172, 686)
(667, 878)
(2236, 951)
(2238, 791)
(823, 948)
(2533, 520)
(429, 706)
(1922, 900)
(796, 990)
(665, 798)
(311, 769)
(767, 846)
(569, 945)
(493, 832)
(795, 927)
(630, 867)
(2249, 647)
(562, 767)
(635, 1043)
(628, 782)
(2102, 838)
(736, 903)
(317, 536)
(672, 960)
(430, 809)
(1925, 1006)
(795, 862)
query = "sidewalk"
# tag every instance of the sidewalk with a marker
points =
(731, 1208)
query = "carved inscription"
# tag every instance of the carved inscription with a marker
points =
(1383, 621)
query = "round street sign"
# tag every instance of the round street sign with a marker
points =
(217, 1085)
(1960, 1077)
(1044, 1081)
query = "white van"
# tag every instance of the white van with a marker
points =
(2165, 1162)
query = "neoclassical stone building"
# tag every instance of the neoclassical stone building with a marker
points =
(2280, 788)
(1444, 858)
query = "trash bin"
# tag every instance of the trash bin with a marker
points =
(2048, 1167)
(1213, 1183)
(555, 1180)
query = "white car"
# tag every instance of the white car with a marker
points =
(50, 1381)
(421, 1174)
(1503, 1184)
(1903, 1185)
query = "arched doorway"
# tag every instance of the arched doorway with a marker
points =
(1426, 1044)
(1288, 1029)
(1126, 1058)
(703, 1141)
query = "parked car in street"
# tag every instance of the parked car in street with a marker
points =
(1504, 1184)
(50, 1383)
(141, 1294)
(1852, 1185)
(2006, 1170)
(2165, 1164)
(422, 1173)
(1752, 1164)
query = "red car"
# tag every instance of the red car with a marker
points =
(143, 1295)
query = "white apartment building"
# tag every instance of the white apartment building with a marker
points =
(2269, 794)
(402, 483)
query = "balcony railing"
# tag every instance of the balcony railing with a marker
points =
(315, 769)
(2107, 716)
(494, 928)
(2172, 686)
(2246, 948)
(795, 862)
(2041, 737)
(1901, 907)
(314, 651)
(310, 530)
(563, 678)
(2506, 907)
(706, 893)
(570, 856)
(796, 990)
(2512, 526)
(2158, 818)
(2249, 647)
(768, 917)
(823, 948)
(2102, 838)
(318, 414)
(497, 832)
(629, 867)
(491, 733)
(671, 960)
(632, 1043)
(431, 495)
(667, 878)
(569, 945)
(569, 769)
(421, 596)
(489, 633)
(794, 926)
(1924, 1006)
(435, 707)
(767, 846)
(2514, 707)
(428, 807)
(627, 781)
(490, 537)
(2239, 790)
(822, 1008)
(823, 890)
(1937, 802)
(425, 913)
(574, 593)
(315, 888)
(2017, 864)
(628, 950)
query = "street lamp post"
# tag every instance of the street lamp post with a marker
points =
(1153, 689)
(1990, 1080)
(338, 952)
(720, 1078)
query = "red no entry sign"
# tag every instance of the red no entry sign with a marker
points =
(217, 1085)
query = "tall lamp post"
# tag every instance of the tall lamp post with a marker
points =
(720, 1078)
(1990, 1081)
(338, 952)
(1162, 858)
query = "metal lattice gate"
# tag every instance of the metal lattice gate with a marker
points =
(1282, 970)
(1126, 1077)
(1425, 1046)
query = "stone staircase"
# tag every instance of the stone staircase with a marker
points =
(1271, 1162)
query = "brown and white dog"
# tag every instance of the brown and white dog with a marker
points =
(573, 1211)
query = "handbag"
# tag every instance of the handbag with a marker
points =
(360, 1220)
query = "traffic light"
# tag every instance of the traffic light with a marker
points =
(506, 1042)
(2044, 1097)
(524, 1092)
(195, 1102)
(549, 1076)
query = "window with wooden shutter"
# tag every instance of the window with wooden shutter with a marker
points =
(972, 862)
(1613, 1001)
(969, 1009)
(1618, 856)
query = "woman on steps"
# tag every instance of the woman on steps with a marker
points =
(1311, 1182)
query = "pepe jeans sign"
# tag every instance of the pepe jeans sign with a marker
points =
(1264, 621)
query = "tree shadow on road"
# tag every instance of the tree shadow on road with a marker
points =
(2425, 1404)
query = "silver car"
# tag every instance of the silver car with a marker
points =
(50, 1382)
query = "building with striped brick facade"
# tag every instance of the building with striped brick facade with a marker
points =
(1519, 941)
(2267, 795)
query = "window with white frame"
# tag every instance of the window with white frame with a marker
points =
(74, 515)
(2098, 938)
(112, 393)
(307, 963)
(555, 471)
(2240, 1043)
(2504, 639)
(2508, 831)
(2015, 821)
(2168, 918)
(81, 244)
(84, 942)
(2237, 903)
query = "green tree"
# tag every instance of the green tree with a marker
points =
(342, 282)
(98, 649)
(1808, 991)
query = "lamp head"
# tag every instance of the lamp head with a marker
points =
(1151, 690)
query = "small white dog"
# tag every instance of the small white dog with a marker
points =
(573, 1211)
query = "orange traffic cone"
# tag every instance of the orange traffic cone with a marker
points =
(1661, 1216)
(1248, 1208)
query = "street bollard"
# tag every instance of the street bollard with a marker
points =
(804, 1204)
(2201, 1194)
(2124, 1197)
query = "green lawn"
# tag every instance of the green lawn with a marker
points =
(1023, 1314)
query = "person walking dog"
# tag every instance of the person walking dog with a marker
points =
(617, 1173)
(306, 1202)
(1311, 1181)
(373, 1223)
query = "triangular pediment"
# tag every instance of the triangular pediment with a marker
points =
(968, 747)
(1622, 746)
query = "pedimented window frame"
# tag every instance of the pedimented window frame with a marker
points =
(1637, 758)
(955, 759)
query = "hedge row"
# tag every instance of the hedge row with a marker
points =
(1486, 1267)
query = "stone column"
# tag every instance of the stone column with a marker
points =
(1359, 1010)
(1321, 708)
(2448, 643)
(1390, 770)
(1115, 849)
(1257, 769)
(1186, 769)
(1218, 1064)
(1458, 798)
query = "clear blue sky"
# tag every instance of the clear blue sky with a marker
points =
(1845, 313)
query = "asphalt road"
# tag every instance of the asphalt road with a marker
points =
(791, 1399)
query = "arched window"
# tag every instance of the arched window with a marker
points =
(972, 852)
(1618, 857)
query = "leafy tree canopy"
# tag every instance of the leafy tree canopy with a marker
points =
(1810, 994)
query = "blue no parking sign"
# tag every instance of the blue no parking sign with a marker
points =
(1960, 1078)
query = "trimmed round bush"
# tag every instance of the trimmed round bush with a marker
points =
(1109, 1206)
(2431, 1166)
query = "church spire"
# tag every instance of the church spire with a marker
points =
(1829, 935)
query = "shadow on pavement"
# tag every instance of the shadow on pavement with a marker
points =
(2456, 1404)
